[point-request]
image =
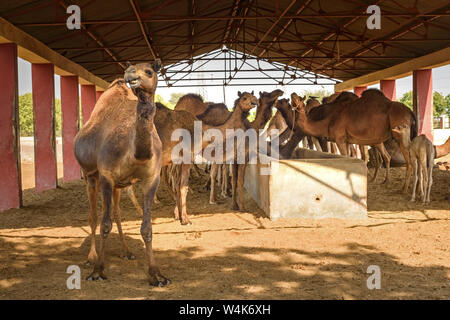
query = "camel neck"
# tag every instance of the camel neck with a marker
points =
(317, 128)
(146, 109)
(263, 114)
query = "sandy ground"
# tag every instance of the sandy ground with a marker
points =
(232, 255)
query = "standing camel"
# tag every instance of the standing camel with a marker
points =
(422, 155)
(119, 145)
(263, 113)
(369, 120)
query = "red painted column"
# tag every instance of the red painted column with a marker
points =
(359, 90)
(10, 186)
(88, 99)
(389, 89)
(45, 173)
(423, 101)
(98, 94)
(70, 118)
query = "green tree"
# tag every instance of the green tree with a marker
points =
(441, 104)
(407, 99)
(26, 117)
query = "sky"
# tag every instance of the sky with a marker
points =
(441, 83)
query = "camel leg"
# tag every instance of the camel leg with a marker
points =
(414, 169)
(197, 171)
(219, 174)
(386, 158)
(92, 191)
(305, 142)
(352, 150)
(405, 151)
(240, 186)
(132, 196)
(212, 193)
(147, 234)
(225, 175)
(234, 174)
(105, 228)
(343, 148)
(364, 153)
(378, 161)
(310, 142)
(183, 191)
(430, 182)
(423, 177)
(316, 143)
(334, 148)
(118, 218)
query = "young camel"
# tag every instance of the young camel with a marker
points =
(117, 147)
(369, 120)
(422, 155)
(263, 113)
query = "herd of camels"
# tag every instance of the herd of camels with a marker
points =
(128, 140)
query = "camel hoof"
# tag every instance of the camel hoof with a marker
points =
(235, 207)
(185, 223)
(159, 283)
(94, 277)
(213, 202)
(129, 256)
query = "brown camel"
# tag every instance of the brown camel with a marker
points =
(237, 120)
(369, 120)
(217, 114)
(116, 147)
(422, 155)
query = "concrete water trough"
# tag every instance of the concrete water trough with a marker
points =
(311, 185)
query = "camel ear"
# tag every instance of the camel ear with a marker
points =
(252, 92)
(157, 65)
(239, 94)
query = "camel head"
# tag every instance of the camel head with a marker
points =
(298, 103)
(142, 76)
(247, 100)
(270, 96)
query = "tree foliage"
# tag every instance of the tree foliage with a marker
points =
(441, 104)
(26, 116)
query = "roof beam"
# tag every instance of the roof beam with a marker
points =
(35, 51)
(432, 60)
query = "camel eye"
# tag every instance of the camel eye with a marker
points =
(149, 72)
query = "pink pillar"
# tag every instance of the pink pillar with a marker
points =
(88, 98)
(10, 186)
(389, 89)
(359, 90)
(423, 101)
(70, 118)
(42, 76)
(98, 94)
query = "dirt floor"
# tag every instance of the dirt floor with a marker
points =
(233, 255)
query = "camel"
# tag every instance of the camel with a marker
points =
(369, 120)
(422, 153)
(217, 114)
(443, 149)
(118, 146)
(236, 120)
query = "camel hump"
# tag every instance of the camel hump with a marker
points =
(373, 92)
(192, 103)
(345, 97)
